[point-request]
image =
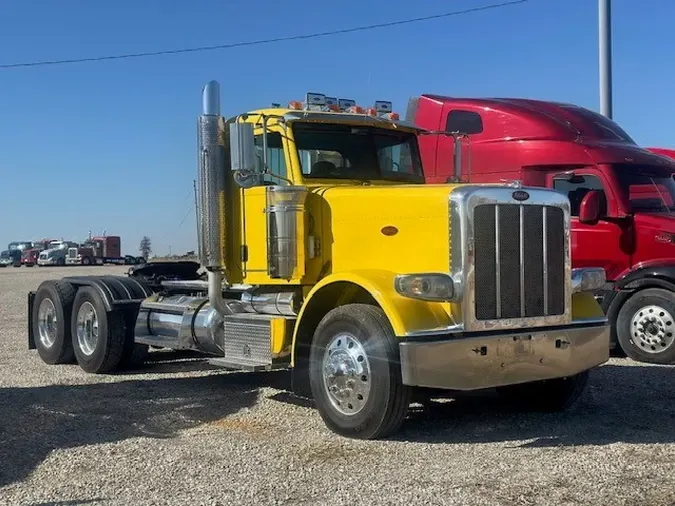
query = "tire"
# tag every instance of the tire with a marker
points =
(645, 326)
(86, 261)
(384, 401)
(549, 395)
(61, 262)
(98, 336)
(50, 319)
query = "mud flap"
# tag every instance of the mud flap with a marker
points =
(31, 337)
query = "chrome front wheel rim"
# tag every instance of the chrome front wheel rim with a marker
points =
(653, 329)
(87, 328)
(47, 323)
(346, 374)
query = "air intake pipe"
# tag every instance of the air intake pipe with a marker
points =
(212, 185)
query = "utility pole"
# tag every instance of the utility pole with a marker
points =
(605, 56)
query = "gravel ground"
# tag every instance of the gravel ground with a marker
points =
(178, 432)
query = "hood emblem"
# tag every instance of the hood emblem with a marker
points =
(520, 195)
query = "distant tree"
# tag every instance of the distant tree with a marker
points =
(145, 248)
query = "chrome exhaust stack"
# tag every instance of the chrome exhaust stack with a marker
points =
(212, 194)
(211, 181)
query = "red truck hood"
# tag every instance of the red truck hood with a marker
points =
(622, 152)
(663, 222)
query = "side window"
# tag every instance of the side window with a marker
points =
(466, 122)
(577, 188)
(276, 159)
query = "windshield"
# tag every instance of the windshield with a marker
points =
(357, 152)
(647, 189)
(4, 254)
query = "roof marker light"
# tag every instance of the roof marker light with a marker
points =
(316, 99)
(345, 103)
(382, 106)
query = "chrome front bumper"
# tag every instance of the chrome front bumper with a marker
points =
(472, 363)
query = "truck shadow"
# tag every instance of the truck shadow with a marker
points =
(36, 420)
(633, 404)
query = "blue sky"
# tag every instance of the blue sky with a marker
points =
(111, 145)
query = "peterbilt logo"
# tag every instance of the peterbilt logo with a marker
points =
(520, 195)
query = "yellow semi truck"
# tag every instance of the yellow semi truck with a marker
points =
(324, 252)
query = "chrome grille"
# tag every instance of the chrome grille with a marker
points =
(519, 261)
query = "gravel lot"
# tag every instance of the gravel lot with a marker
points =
(178, 432)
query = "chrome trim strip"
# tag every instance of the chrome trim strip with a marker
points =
(452, 330)
(489, 361)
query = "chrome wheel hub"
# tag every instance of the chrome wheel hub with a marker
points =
(87, 328)
(346, 374)
(653, 329)
(47, 323)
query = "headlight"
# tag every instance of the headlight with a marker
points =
(431, 287)
(588, 279)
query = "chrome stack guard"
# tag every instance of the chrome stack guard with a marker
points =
(473, 362)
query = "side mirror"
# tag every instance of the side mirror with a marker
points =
(589, 209)
(242, 147)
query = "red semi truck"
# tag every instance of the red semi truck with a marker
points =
(622, 196)
(670, 153)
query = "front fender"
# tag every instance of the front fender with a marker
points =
(405, 315)
(660, 274)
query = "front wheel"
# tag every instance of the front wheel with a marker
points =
(548, 395)
(645, 326)
(355, 374)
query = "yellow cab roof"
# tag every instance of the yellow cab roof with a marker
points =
(328, 117)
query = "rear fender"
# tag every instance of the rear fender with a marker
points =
(117, 292)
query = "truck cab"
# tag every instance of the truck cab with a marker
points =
(621, 196)
(323, 252)
(10, 257)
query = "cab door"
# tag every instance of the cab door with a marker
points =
(608, 242)
(253, 206)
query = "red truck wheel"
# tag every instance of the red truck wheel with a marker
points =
(645, 326)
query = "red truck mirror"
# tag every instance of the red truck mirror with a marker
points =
(589, 209)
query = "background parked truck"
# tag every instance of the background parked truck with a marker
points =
(320, 268)
(621, 196)
(98, 250)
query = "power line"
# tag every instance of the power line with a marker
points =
(263, 41)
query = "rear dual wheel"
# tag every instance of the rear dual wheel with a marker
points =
(103, 341)
(50, 321)
(74, 324)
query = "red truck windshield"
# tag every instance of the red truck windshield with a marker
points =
(647, 189)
